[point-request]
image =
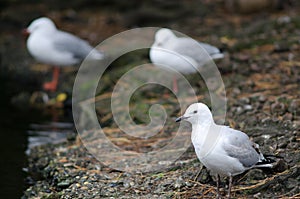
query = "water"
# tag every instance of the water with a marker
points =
(13, 138)
(19, 131)
(49, 132)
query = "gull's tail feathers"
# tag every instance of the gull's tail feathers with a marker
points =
(268, 161)
(96, 55)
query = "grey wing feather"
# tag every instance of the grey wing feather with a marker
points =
(211, 50)
(238, 145)
(190, 48)
(67, 42)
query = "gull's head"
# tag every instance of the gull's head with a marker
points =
(196, 113)
(162, 36)
(41, 24)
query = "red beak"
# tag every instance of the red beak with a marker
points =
(25, 32)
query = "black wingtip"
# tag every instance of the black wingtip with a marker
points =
(273, 162)
(272, 158)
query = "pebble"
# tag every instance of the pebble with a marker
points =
(278, 108)
(294, 106)
(291, 183)
(64, 184)
(266, 136)
(262, 98)
(248, 107)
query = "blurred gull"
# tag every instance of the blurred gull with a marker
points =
(221, 149)
(182, 54)
(51, 46)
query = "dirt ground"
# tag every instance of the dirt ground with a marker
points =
(261, 73)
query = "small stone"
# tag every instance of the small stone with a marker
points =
(255, 174)
(236, 91)
(131, 183)
(84, 188)
(239, 110)
(64, 184)
(282, 144)
(291, 183)
(288, 116)
(266, 119)
(111, 190)
(294, 106)
(188, 184)
(262, 98)
(71, 136)
(245, 100)
(278, 108)
(266, 136)
(248, 107)
(257, 195)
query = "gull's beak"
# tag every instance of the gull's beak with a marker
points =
(181, 118)
(25, 32)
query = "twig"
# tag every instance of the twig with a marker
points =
(265, 181)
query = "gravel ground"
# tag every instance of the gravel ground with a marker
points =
(261, 72)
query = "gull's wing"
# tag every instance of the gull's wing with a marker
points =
(193, 49)
(237, 145)
(213, 51)
(68, 43)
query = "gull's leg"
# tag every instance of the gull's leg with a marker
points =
(51, 86)
(229, 187)
(195, 179)
(218, 186)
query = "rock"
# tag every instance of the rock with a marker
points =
(179, 183)
(291, 183)
(247, 107)
(255, 175)
(280, 166)
(64, 184)
(278, 108)
(294, 107)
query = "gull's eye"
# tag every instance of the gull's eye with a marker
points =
(195, 112)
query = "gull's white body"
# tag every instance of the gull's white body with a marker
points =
(181, 54)
(222, 150)
(216, 159)
(51, 46)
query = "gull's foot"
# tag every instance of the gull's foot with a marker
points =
(50, 86)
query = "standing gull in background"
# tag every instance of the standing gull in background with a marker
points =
(221, 149)
(51, 46)
(182, 54)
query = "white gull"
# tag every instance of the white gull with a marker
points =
(221, 149)
(181, 54)
(51, 46)
(170, 50)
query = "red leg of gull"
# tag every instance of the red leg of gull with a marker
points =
(175, 86)
(51, 86)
